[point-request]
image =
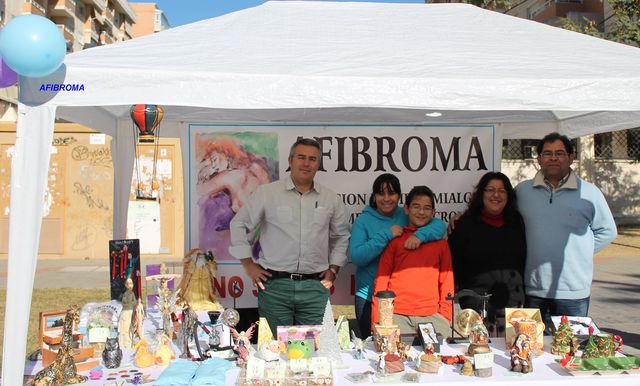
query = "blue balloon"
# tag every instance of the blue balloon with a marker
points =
(32, 45)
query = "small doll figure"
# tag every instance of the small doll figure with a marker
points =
(270, 350)
(126, 315)
(381, 365)
(358, 346)
(521, 355)
(243, 353)
(467, 368)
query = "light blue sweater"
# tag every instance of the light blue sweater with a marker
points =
(564, 228)
(370, 234)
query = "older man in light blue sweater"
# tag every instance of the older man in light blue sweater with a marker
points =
(567, 220)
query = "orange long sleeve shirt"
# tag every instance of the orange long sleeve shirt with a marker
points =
(420, 278)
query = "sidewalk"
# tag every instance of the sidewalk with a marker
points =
(614, 296)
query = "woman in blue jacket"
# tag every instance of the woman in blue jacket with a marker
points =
(378, 223)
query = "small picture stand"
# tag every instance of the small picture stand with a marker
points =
(428, 336)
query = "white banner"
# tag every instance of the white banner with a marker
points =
(227, 163)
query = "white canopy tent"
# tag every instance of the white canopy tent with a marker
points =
(313, 62)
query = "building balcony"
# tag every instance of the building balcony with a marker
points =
(126, 28)
(66, 32)
(100, 5)
(62, 8)
(107, 37)
(551, 10)
(91, 34)
(108, 14)
(34, 8)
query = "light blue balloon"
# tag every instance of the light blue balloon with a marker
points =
(32, 45)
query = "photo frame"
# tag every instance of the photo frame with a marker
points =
(51, 323)
(428, 336)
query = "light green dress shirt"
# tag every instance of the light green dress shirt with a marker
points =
(299, 233)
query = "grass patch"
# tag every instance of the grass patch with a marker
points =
(48, 299)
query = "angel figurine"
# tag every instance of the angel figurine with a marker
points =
(358, 346)
(242, 342)
(196, 285)
(167, 305)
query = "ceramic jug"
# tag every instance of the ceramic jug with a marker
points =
(608, 344)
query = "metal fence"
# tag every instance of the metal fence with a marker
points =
(618, 145)
(615, 145)
(521, 149)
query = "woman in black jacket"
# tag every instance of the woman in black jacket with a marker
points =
(488, 249)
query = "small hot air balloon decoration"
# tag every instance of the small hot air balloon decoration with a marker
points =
(147, 118)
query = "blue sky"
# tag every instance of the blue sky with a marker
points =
(182, 12)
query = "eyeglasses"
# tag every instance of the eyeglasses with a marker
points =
(492, 191)
(418, 208)
(557, 154)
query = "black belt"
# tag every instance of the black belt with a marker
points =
(293, 276)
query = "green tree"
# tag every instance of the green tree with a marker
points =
(625, 28)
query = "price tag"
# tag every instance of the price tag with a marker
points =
(320, 366)
(298, 365)
(483, 361)
(255, 368)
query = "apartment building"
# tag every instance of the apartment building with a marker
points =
(78, 218)
(151, 19)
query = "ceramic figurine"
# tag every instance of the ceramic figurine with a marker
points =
(299, 348)
(243, 354)
(393, 364)
(188, 330)
(270, 351)
(143, 358)
(63, 370)
(382, 365)
(164, 354)
(112, 354)
(243, 336)
(564, 342)
(126, 315)
(521, 355)
(196, 286)
(166, 298)
(358, 346)
(467, 368)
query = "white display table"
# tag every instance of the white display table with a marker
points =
(545, 370)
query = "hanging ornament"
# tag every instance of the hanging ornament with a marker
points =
(146, 119)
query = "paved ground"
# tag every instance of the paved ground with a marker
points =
(614, 306)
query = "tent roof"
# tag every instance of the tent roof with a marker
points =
(359, 62)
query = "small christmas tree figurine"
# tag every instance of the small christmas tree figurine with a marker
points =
(564, 342)
(329, 343)
(591, 348)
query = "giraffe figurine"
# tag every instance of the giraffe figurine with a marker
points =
(63, 370)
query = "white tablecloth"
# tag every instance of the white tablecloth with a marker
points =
(546, 371)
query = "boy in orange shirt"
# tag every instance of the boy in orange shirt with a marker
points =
(420, 278)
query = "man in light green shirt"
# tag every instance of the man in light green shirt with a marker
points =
(304, 234)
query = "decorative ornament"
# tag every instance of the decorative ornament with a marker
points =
(8, 77)
(32, 45)
(522, 355)
(147, 119)
(564, 342)
(329, 342)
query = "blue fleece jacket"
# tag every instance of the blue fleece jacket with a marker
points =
(564, 228)
(370, 234)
